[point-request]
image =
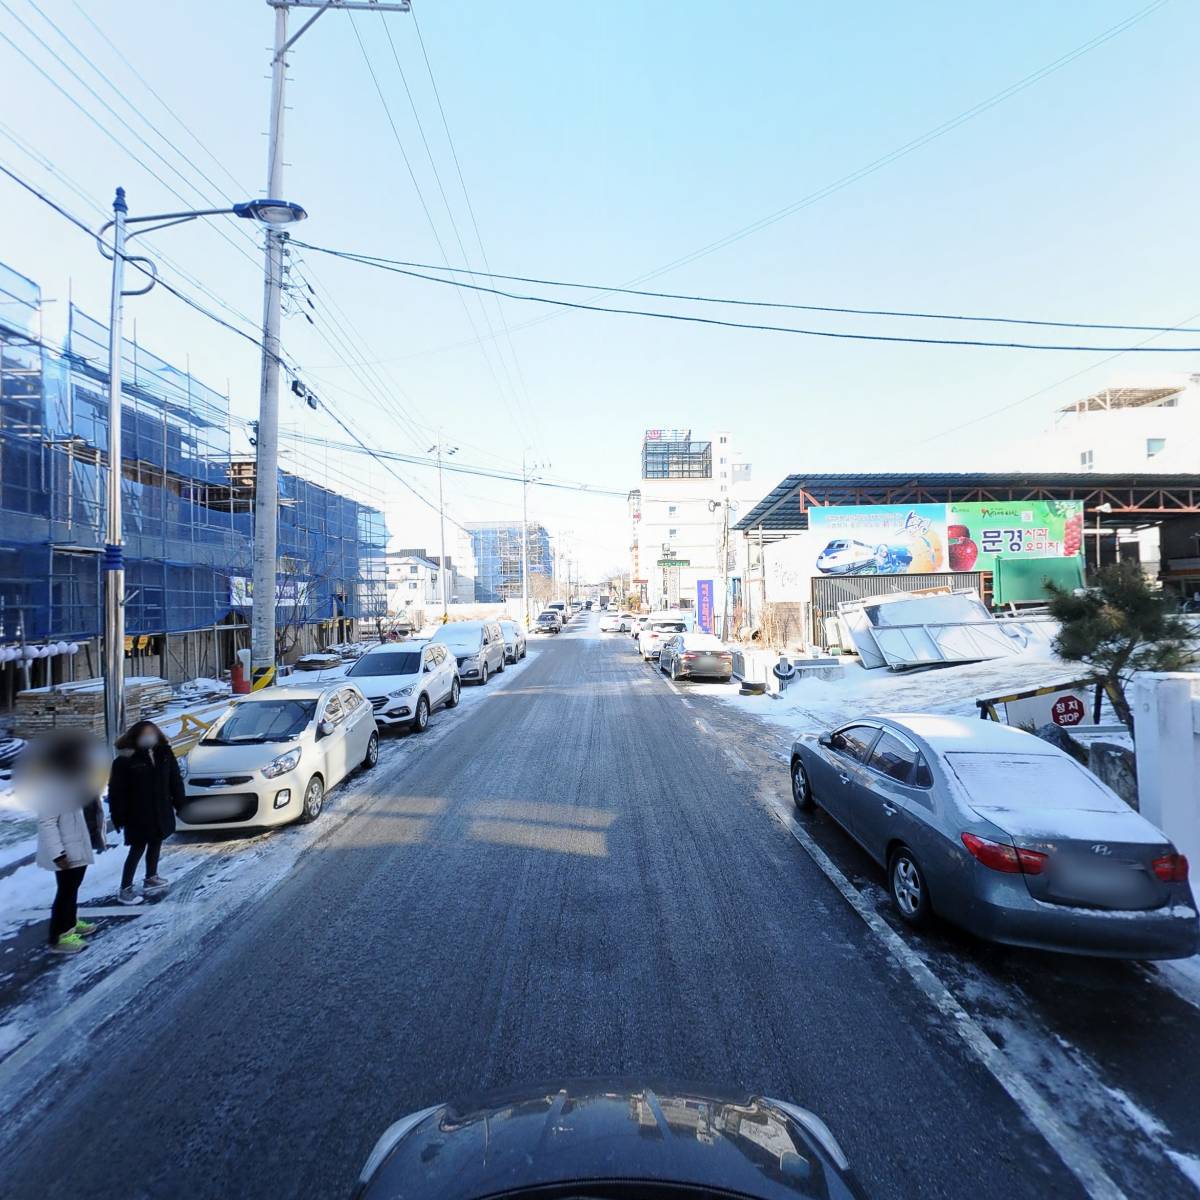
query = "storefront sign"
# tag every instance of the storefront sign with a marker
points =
(920, 539)
(288, 592)
(704, 605)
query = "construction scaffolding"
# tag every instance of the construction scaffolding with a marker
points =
(497, 548)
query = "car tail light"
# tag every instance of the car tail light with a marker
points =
(1171, 868)
(1001, 857)
(689, 657)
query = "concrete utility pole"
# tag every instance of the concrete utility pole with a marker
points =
(266, 474)
(440, 448)
(525, 481)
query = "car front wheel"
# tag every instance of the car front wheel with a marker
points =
(906, 881)
(372, 755)
(314, 800)
(802, 795)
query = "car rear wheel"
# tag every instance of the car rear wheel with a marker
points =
(906, 881)
(314, 800)
(500, 668)
(455, 695)
(802, 793)
(421, 716)
(372, 755)
(483, 675)
(674, 671)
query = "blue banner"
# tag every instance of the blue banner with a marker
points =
(704, 605)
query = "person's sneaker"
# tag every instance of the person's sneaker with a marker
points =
(155, 883)
(128, 896)
(69, 943)
(84, 927)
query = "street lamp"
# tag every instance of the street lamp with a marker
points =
(269, 212)
(447, 450)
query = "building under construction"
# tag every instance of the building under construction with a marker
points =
(187, 508)
(497, 548)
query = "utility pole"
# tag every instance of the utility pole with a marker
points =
(266, 472)
(440, 448)
(725, 573)
(525, 481)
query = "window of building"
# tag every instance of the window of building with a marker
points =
(1155, 446)
(412, 568)
(672, 533)
(722, 459)
(1086, 458)
(671, 510)
(723, 439)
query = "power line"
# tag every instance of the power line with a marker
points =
(610, 289)
(688, 318)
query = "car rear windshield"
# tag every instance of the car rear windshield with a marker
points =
(263, 721)
(392, 662)
(1029, 782)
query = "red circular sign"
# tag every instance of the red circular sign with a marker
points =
(1067, 710)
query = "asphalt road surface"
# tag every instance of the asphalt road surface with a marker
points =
(576, 881)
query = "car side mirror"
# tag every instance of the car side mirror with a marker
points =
(826, 740)
(428, 667)
(325, 728)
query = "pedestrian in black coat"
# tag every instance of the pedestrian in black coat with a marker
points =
(145, 789)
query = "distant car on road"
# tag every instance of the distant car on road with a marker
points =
(404, 683)
(695, 656)
(624, 1138)
(272, 755)
(627, 619)
(651, 636)
(548, 622)
(846, 556)
(611, 623)
(477, 645)
(559, 607)
(514, 641)
(998, 831)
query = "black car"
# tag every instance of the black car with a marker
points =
(548, 622)
(611, 1138)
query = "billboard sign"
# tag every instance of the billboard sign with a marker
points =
(288, 592)
(704, 605)
(921, 539)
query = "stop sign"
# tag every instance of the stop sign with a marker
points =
(1067, 710)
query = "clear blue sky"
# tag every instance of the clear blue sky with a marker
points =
(602, 141)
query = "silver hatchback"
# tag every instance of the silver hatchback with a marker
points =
(1001, 833)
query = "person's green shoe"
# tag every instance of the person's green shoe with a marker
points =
(69, 943)
(84, 927)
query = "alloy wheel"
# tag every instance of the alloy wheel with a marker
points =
(906, 885)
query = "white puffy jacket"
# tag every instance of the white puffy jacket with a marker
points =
(65, 832)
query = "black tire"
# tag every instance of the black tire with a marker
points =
(455, 694)
(674, 672)
(500, 668)
(525, 650)
(420, 721)
(314, 800)
(802, 793)
(910, 892)
(483, 675)
(372, 755)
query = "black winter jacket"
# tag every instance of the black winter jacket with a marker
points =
(144, 793)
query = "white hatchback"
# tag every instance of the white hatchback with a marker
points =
(405, 681)
(272, 755)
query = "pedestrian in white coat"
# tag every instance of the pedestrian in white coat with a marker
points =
(59, 777)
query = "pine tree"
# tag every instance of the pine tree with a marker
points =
(1120, 626)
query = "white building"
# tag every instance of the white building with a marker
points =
(689, 489)
(413, 584)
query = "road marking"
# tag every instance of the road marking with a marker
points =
(675, 688)
(1076, 1154)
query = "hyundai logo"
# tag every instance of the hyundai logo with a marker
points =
(1100, 848)
(223, 782)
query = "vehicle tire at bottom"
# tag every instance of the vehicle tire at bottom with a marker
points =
(483, 675)
(314, 800)
(420, 721)
(802, 793)
(455, 695)
(372, 755)
(906, 882)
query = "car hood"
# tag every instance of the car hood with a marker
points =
(227, 760)
(372, 686)
(575, 1131)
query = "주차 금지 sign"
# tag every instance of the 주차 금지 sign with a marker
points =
(922, 539)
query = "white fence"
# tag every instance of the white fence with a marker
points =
(1166, 714)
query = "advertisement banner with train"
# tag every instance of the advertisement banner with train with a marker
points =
(921, 539)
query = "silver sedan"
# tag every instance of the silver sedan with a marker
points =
(1001, 833)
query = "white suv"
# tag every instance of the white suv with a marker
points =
(406, 681)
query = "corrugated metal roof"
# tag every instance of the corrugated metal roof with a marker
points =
(784, 508)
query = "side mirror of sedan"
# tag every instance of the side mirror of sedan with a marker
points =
(325, 728)
(826, 740)
(428, 667)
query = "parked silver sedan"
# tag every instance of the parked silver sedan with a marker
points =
(1001, 833)
(695, 656)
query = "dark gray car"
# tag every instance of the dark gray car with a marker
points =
(1001, 833)
(695, 656)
